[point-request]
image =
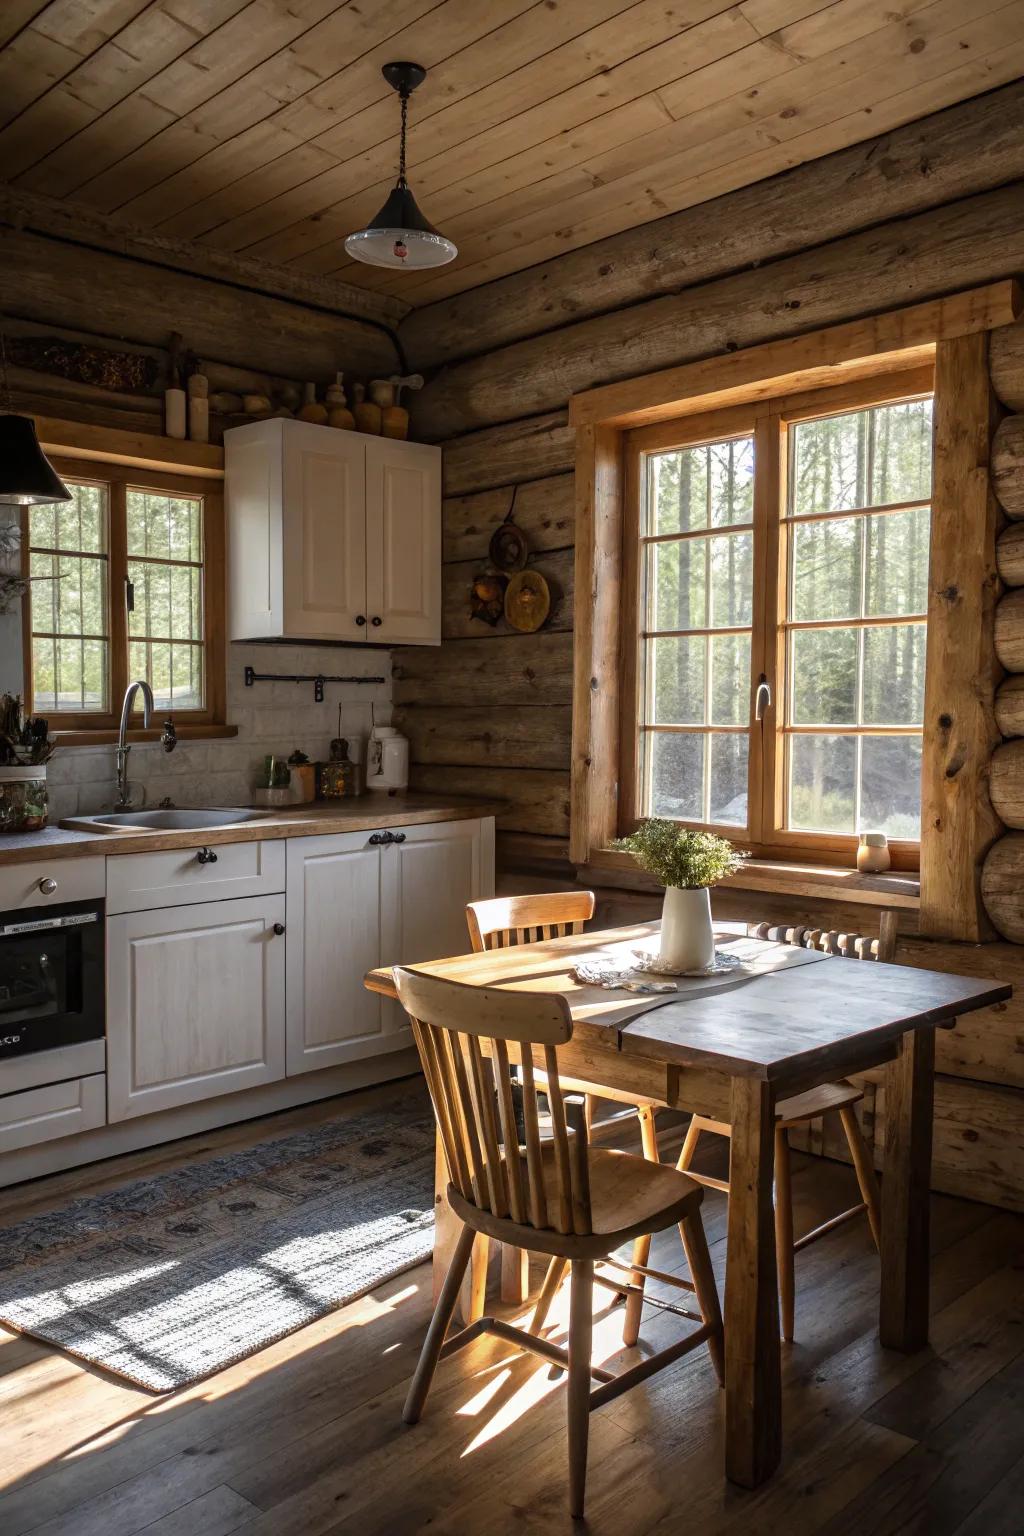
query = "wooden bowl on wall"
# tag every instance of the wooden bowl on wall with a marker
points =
(527, 601)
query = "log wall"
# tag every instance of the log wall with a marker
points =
(850, 235)
(126, 307)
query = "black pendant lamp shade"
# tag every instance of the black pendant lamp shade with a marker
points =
(27, 477)
(399, 235)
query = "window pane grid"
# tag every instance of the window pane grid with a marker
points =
(857, 518)
(68, 569)
(696, 548)
(166, 624)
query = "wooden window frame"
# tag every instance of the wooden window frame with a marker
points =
(766, 422)
(85, 727)
(958, 824)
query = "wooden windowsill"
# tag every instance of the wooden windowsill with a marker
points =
(895, 889)
(107, 735)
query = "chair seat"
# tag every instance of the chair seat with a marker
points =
(630, 1197)
(816, 1101)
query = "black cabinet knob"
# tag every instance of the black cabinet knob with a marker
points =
(360, 618)
(279, 929)
(376, 838)
(206, 856)
(376, 622)
(398, 837)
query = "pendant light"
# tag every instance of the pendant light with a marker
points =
(27, 478)
(400, 236)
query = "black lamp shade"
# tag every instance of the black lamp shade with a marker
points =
(27, 478)
(400, 236)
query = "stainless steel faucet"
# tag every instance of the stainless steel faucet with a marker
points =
(168, 738)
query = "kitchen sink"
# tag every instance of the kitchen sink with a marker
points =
(165, 820)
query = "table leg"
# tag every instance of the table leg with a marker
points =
(909, 1095)
(753, 1381)
(447, 1228)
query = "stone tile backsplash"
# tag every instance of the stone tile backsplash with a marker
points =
(271, 717)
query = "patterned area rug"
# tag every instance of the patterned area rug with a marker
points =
(171, 1278)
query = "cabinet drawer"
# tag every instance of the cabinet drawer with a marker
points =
(44, 1114)
(75, 880)
(137, 882)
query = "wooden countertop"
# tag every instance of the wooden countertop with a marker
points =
(364, 813)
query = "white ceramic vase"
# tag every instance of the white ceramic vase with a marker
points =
(687, 937)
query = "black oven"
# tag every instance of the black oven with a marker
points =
(51, 977)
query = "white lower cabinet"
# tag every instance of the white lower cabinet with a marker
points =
(354, 905)
(195, 1003)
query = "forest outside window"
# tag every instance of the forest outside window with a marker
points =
(125, 583)
(777, 557)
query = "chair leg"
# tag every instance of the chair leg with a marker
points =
(642, 1245)
(689, 1144)
(581, 1314)
(589, 1105)
(515, 1274)
(864, 1169)
(784, 1232)
(429, 1354)
(695, 1246)
(548, 1292)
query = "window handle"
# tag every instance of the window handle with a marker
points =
(129, 595)
(762, 698)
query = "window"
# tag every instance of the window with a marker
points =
(125, 582)
(777, 555)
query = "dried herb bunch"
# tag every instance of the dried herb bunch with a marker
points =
(24, 742)
(680, 857)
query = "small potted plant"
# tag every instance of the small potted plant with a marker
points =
(686, 863)
(25, 748)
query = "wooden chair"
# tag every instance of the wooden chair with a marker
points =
(831, 1098)
(560, 1197)
(508, 920)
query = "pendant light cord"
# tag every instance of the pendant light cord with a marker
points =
(404, 95)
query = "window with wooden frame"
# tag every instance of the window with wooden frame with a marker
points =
(126, 581)
(775, 565)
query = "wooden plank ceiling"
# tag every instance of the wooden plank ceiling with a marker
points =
(263, 127)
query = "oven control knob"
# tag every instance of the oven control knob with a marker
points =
(48, 886)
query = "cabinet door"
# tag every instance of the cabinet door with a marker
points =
(324, 533)
(333, 940)
(426, 882)
(403, 542)
(195, 1003)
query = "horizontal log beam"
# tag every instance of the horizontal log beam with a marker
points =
(513, 453)
(489, 736)
(535, 800)
(508, 670)
(543, 509)
(969, 148)
(53, 282)
(963, 245)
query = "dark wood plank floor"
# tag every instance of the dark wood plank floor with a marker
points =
(305, 1438)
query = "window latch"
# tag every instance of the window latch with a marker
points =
(762, 698)
(129, 595)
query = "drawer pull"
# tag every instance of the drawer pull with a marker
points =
(47, 886)
(279, 929)
(206, 856)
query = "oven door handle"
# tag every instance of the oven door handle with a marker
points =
(71, 920)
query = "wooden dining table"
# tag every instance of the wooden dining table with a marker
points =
(729, 1047)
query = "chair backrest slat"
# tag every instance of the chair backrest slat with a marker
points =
(534, 1156)
(508, 920)
(484, 1111)
(509, 1132)
(853, 946)
(469, 1039)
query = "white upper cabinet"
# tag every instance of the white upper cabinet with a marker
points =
(403, 542)
(332, 535)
